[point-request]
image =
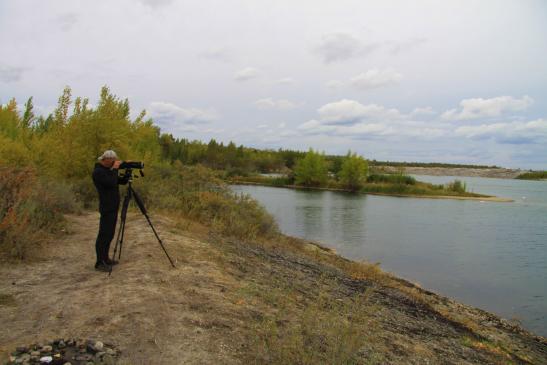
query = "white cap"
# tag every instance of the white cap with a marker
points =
(108, 154)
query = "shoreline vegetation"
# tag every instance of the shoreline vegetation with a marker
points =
(397, 185)
(533, 175)
(424, 196)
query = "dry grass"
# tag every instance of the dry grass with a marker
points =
(325, 330)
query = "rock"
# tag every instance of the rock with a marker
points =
(46, 359)
(35, 353)
(67, 363)
(98, 346)
(22, 349)
(89, 363)
(84, 357)
(46, 348)
(99, 355)
(61, 344)
(110, 352)
(108, 359)
(25, 357)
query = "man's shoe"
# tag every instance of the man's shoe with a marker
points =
(111, 262)
(103, 266)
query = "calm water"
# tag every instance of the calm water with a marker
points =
(490, 255)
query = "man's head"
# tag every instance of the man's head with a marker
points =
(108, 158)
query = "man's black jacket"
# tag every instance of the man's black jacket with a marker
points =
(106, 181)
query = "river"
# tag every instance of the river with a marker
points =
(486, 254)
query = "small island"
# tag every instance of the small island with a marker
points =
(353, 174)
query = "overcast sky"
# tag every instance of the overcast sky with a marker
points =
(448, 81)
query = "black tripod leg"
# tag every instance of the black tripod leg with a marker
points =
(123, 219)
(121, 230)
(143, 211)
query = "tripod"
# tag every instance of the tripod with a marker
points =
(128, 196)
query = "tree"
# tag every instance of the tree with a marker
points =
(311, 170)
(353, 172)
(28, 116)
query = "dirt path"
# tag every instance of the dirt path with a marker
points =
(151, 310)
(210, 308)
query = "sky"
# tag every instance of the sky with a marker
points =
(429, 81)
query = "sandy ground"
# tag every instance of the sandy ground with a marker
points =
(204, 311)
(499, 173)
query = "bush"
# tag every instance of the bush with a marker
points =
(391, 179)
(456, 186)
(29, 207)
(198, 193)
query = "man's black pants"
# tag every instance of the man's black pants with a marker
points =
(107, 228)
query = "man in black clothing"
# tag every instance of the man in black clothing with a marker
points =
(106, 180)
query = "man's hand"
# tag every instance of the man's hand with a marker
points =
(116, 164)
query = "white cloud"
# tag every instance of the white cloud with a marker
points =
(282, 125)
(507, 133)
(285, 81)
(246, 74)
(423, 111)
(480, 108)
(350, 112)
(342, 46)
(349, 118)
(375, 78)
(270, 103)
(171, 114)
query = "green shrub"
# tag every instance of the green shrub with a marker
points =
(457, 186)
(391, 179)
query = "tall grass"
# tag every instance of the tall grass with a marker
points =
(198, 193)
(325, 331)
(391, 179)
(30, 207)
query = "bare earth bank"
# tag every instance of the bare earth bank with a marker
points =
(499, 173)
(208, 309)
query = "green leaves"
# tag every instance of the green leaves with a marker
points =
(354, 171)
(311, 170)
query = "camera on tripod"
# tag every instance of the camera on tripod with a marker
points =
(128, 166)
(132, 165)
